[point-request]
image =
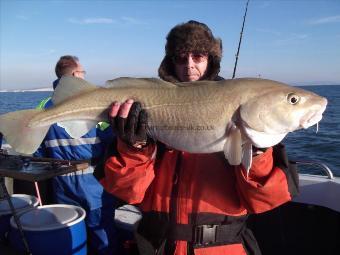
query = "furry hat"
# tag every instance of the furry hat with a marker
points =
(191, 36)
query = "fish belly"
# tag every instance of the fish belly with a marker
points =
(192, 139)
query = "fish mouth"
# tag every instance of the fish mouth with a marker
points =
(312, 118)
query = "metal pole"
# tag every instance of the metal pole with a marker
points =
(239, 42)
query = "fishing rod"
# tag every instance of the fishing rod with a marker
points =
(239, 42)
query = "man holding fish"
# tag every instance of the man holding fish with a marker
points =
(198, 153)
(192, 203)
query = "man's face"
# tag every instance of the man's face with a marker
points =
(79, 71)
(190, 66)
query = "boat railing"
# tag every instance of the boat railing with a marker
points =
(325, 169)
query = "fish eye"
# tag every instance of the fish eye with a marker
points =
(293, 98)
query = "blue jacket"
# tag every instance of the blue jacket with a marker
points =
(79, 188)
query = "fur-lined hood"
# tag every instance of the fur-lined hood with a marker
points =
(192, 36)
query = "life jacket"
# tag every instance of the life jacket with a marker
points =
(197, 203)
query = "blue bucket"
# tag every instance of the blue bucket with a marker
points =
(51, 229)
(21, 203)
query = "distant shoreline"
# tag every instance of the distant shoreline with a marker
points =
(50, 89)
(28, 90)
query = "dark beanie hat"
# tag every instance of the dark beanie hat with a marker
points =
(191, 36)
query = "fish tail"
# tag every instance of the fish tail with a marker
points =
(16, 131)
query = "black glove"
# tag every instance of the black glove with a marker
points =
(133, 129)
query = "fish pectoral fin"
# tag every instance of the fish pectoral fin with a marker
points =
(77, 128)
(70, 86)
(17, 132)
(233, 146)
(247, 156)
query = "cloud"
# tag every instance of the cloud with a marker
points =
(325, 20)
(291, 39)
(92, 21)
(283, 39)
(51, 51)
(45, 52)
(40, 53)
(121, 21)
(22, 17)
(268, 31)
(265, 4)
(133, 21)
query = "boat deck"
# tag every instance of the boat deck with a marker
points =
(293, 228)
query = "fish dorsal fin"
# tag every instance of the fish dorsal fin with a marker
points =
(70, 86)
(124, 82)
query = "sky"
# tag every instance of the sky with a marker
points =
(296, 42)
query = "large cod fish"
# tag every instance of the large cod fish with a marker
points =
(200, 117)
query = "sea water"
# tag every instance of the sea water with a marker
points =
(323, 146)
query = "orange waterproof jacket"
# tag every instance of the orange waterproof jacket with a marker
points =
(178, 191)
